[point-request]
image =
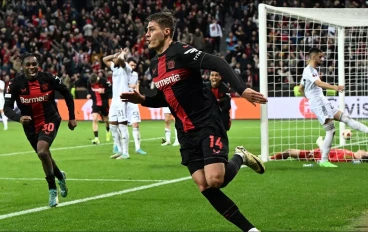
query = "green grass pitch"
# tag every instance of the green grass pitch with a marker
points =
(153, 192)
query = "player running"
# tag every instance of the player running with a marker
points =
(311, 87)
(34, 92)
(98, 91)
(223, 98)
(118, 119)
(2, 102)
(175, 71)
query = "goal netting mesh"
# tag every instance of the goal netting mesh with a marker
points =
(290, 32)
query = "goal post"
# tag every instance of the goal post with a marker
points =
(285, 36)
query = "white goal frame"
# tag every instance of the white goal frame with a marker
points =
(338, 17)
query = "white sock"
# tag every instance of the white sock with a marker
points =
(176, 136)
(124, 138)
(137, 138)
(330, 132)
(168, 135)
(116, 136)
(5, 120)
(354, 124)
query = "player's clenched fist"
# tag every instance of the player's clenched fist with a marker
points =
(25, 119)
(133, 97)
(72, 124)
(254, 96)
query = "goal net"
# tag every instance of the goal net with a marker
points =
(286, 35)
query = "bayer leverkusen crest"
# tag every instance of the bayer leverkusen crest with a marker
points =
(45, 87)
(171, 64)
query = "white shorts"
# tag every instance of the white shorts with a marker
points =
(324, 112)
(166, 110)
(133, 113)
(2, 102)
(118, 112)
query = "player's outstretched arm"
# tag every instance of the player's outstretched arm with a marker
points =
(325, 85)
(10, 97)
(155, 101)
(198, 59)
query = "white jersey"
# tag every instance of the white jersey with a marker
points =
(2, 90)
(120, 80)
(312, 92)
(133, 80)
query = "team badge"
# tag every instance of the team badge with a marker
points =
(45, 87)
(171, 64)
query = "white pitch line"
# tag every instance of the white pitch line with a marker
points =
(39, 209)
(86, 180)
(68, 148)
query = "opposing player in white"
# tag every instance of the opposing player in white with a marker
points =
(118, 119)
(311, 87)
(167, 140)
(2, 101)
(134, 117)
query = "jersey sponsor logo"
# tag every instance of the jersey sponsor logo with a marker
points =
(167, 81)
(7, 95)
(97, 89)
(43, 98)
(171, 64)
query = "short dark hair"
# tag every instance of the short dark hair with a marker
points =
(131, 59)
(93, 78)
(314, 50)
(164, 19)
(27, 54)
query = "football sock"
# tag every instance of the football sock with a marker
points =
(116, 136)
(231, 169)
(96, 134)
(227, 208)
(330, 132)
(5, 120)
(353, 124)
(137, 138)
(124, 133)
(168, 135)
(57, 172)
(51, 181)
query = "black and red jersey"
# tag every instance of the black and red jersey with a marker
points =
(99, 99)
(176, 75)
(36, 98)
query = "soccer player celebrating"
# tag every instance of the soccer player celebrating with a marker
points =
(2, 102)
(118, 110)
(98, 90)
(223, 98)
(34, 92)
(167, 118)
(203, 140)
(311, 87)
(134, 117)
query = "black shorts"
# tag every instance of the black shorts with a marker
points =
(205, 146)
(47, 133)
(102, 110)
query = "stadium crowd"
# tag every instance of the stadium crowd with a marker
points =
(73, 35)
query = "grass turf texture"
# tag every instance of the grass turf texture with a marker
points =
(287, 197)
